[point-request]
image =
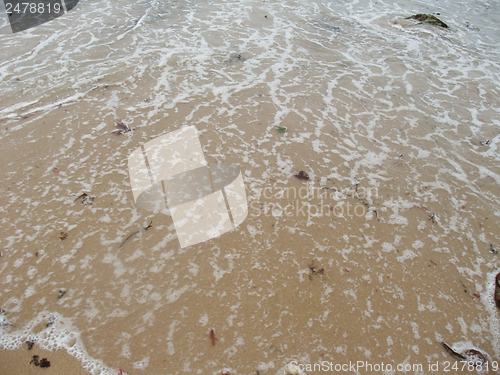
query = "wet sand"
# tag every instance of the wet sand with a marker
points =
(395, 282)
(409, 157)
(17, 362)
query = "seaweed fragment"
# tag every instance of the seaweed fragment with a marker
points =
(237, 58)
(211, 334)
(51, 320)
(475, 356)
(315, 271)
(428, 18)
(471, 356)
(281, 129)
(142, 230)
(493, 249)
(3, 320)
(86, 199)
(470, 27)
(63, 236)
(301, 175)
(30, 343)
(497, 290)
(40, 362)
(453, 353)
(121, 128)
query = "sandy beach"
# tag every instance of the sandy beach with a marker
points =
(387, 250)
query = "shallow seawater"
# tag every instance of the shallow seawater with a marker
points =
(388, 250)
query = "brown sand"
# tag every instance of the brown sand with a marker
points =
(17, 362)
(265, 307)
(151, 299)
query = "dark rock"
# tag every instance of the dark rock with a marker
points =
(428, 18)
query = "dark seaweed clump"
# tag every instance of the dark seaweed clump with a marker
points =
(40, 362)
(428, 18)
(301, 175)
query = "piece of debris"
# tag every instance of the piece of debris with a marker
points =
(52, 319)
(142, 230)
(470, 27)
(30, 343)
(493, 250)
(465, 288)
(315, 271)
(3, 320)
(56, 170)
(86, 199)
(472, 356)
(42, 362)
(61, 293)
(453, 353)
(484, 143)
(497, 290)
(63, 236)
(475, 356)
(121, 128)
(476, 296)
(301, 175)
(428, 18)
(281, 129)
(211, 334)
(237, 58)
